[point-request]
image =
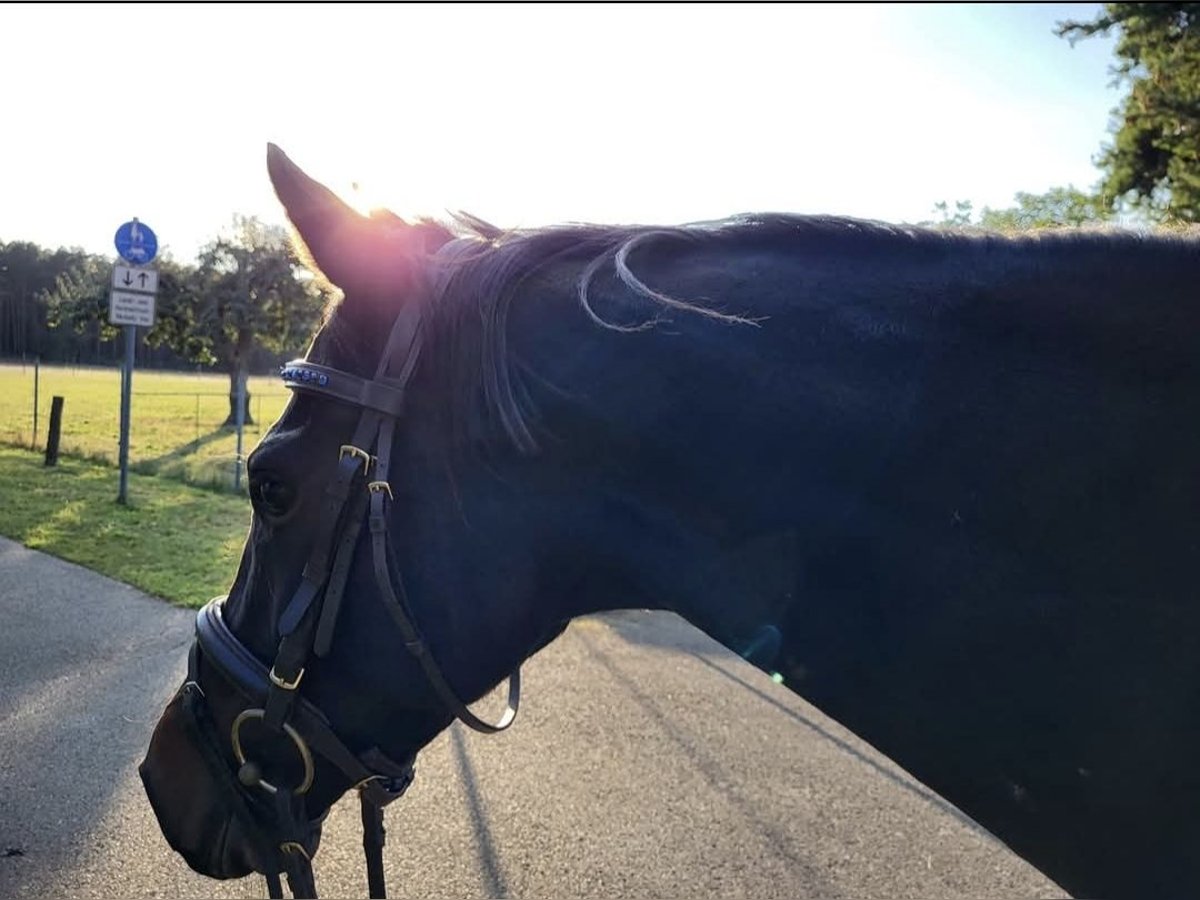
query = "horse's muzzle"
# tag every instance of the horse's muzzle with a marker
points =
(188, 802)
(201, 810)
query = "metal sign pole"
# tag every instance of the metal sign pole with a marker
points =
(240, 419)
(130, 304)
(126, 392)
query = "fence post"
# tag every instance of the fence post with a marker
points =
(56, 407)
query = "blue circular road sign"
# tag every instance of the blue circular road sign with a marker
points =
(136, 243)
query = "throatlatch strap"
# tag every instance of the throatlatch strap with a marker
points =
(380, 549)
(416, 645)
(396, 607)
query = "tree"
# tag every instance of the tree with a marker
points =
(1154, 159)
(247, 291)
(960, 218)
(79, 299)
(78, 304)
(1058, 207)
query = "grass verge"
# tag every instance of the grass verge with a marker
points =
(177, 420)
(174, 541)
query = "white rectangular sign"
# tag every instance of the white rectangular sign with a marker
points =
(125, 308)
(135, 279)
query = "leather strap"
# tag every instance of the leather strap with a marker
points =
(306, 376)
(416, 645)
(404, 340)
(250, 677)
(337, 492)
(335, 590)
(397, 608)
(374, 837)
(308, 620)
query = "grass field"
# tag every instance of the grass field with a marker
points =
(177, 542)
(175, 429)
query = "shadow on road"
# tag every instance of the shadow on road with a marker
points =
(910, 787)
(710, 770)
(634, 626)
(493, 872)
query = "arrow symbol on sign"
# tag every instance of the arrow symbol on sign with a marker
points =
(128, 280)
(142, 278)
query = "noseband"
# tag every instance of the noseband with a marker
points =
(357, 492)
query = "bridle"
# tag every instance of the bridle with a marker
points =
(272, 815)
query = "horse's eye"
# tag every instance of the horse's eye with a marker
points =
(270, 496)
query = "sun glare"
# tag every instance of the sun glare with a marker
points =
(362, 199)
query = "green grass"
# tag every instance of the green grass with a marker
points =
(174, 541)
(175, 425)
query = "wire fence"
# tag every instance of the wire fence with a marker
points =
(179, 422)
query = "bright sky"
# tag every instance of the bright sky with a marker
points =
(534, 115)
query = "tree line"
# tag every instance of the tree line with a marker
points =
(246, 304)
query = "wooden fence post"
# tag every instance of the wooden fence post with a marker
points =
(56, 405)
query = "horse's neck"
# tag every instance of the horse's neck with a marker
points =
(716, 451)
(952, 504)
(736, 465)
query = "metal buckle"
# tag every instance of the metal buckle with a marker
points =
(376, 486)
(293, 847)
(362, 784)
(196, 685)
(286, 685)
(394, 786)
(350, 450)
(301, 748)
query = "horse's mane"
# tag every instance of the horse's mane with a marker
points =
(475, 276)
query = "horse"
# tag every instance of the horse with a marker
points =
(942, 484)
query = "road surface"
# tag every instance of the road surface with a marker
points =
(648, 761)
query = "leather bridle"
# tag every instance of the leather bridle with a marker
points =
(272, 815)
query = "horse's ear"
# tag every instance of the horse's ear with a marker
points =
(363, 256)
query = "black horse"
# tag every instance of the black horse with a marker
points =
(946, 486)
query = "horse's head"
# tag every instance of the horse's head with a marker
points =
(362, 534)
(407, 551)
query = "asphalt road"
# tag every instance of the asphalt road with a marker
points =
(648, 762)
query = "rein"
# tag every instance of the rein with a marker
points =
(273, 815)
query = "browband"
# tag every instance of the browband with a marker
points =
(306, 376)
